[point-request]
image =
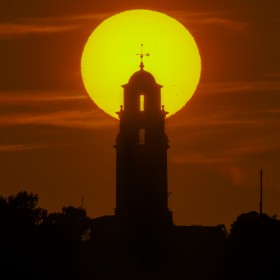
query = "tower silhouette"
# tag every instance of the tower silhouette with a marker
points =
(141, 153)
(141, 237)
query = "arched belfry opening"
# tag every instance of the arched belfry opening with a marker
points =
(141, 153)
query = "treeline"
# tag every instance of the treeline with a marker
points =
(253, 247)
(35, 244)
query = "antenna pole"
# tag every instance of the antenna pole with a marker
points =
(261, 191)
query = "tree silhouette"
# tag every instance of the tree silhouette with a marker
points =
(20, 218)
(73, 222)
(21, 209)
(31, 239)
(70, 245)
(254, 246)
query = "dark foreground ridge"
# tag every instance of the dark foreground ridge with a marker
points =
(70, 245)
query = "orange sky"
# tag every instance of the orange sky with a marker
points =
(56, 143)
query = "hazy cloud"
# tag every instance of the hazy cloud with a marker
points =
(242, 86)
(252, 104)
(235, 153)
(51, 108)
(18, 147)
(208, 19)
(49, 25)
(25, 29)
(227, 124)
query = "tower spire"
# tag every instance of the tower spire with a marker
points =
(141, 54)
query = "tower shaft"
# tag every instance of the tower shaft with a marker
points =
(141, 154)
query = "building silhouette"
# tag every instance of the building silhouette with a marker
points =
(141, 154)
(141, 237)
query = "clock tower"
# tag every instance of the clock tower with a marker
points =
(141, 153)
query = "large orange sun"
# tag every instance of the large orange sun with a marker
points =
(109, 58)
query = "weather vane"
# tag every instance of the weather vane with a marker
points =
(141, 56)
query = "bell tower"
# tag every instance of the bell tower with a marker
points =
(141, 153)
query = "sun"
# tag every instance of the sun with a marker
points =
(109, 58)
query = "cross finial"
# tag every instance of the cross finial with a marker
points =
(141, 57)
